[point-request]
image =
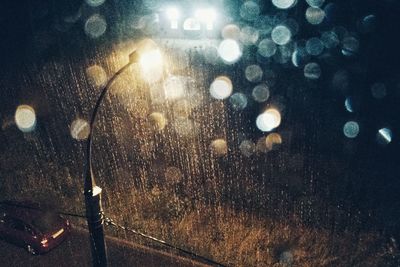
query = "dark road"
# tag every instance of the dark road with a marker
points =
(75, 251)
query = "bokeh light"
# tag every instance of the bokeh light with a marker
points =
(253, 73)
(249, 10)
(95, 26)
(95, 3)
(350, 45)
(238, 101)
(173, 175)
(80, 129)
(281, 35)
(174, 87)
(348, 103)
(315, 3)
(384, 136)
(231, 31)
(221, 88)
(247, 148)
(230, 51)
(261, 93)
(268, 120)
(330, 39)
(273, 140)
(267, 48)
(351, 129)
(284, 4)
(96, 76)
(25, 118)
(315, 15)
(249, 35)
(314, 46)
(157, 121)
(312, 71)
(219, 147)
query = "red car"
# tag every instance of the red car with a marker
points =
(27, 225)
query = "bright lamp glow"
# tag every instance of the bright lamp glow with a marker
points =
(207, 16)
(268, 120)
(173, 16)
(151, 63)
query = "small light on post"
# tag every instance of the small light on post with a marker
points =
(150, 60)
(145, 55)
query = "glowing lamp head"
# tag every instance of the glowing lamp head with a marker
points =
(149, 58)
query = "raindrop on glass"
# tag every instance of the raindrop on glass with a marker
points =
(351, 129)
(95, 26)
(261, 93)
(315, 3)
(312, 71)
(238, 101)
(219, 147)
(96, 76)
(249, 10)
(231, 31)
(268, 120)
(249, 35)
(221, 88)
(284, 4)
(330, 39)
(314, 46)
(247, 148)
(95, 3)
(350, 46)
(384, 136)
(80, 129)
(157, 121)
(315, 15)
(25, 118)
(253, 73)
(281, 35)
(230, 51)
(267, 48)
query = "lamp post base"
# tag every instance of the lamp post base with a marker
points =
(95, 220)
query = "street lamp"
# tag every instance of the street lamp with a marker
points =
(145, 55)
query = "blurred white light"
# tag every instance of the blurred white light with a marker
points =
(207, 16)
(384, 136)
(25, 118)
(229, 50)
(219, 147)
(221, 88)
(173, 15)
(151, 63)
(268, 120)
(174, 87)
(284, 4)
(80, 129)
(281, 35)
(351, 129)
(95, 26)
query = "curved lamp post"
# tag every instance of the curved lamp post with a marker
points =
(144, 54)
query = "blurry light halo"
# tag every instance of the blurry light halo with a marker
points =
(25, 118)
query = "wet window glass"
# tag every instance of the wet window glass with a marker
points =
(234, 133)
